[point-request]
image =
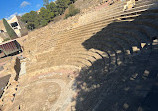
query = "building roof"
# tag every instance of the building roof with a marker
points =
(15, 18)
(7, 41)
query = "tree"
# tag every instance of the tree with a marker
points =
(9, 30)
(44, 22)
(52, 8)
(72, 11)
(31, 19)
(47, 13)
(62, 5)
(45, 16)
(45, 2)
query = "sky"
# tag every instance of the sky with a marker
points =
(9, 8)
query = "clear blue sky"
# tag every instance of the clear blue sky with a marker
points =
(8, 8)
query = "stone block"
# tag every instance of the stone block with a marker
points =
(126, 106)
(128, 52)
(143, 44)
(135, 48)
(146, 73)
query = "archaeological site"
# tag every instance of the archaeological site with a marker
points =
(104, 58)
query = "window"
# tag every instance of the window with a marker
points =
(14, 24)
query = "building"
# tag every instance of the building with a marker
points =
(16, 24)
(3, 33)
(10, 47)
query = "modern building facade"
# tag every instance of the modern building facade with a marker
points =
(16, 24)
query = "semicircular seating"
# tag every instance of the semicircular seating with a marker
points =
(113, 36)
(112, 52)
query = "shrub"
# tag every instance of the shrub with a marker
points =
(72, 11)
(6, 39)
(44, 23)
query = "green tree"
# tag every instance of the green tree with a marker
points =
(72, 11)
(62, 5)
(52, 8)
(47, 13)
(44, 22)
(9, 30)
(31, 19)
(45, 16)
(6, 39)
(45, 2)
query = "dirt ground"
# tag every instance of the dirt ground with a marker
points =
(44, 92)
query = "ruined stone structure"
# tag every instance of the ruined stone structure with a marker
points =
(105, 63)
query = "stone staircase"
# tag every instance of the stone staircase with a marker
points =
(116, 54)
(127, 88)
(120, 33)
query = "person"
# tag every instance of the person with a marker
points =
(130, 4)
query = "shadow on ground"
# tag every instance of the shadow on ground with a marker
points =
(3, 83)
(131, 85)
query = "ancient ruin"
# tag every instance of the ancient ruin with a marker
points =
(103, 59)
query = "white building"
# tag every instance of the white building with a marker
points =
(18, 26)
